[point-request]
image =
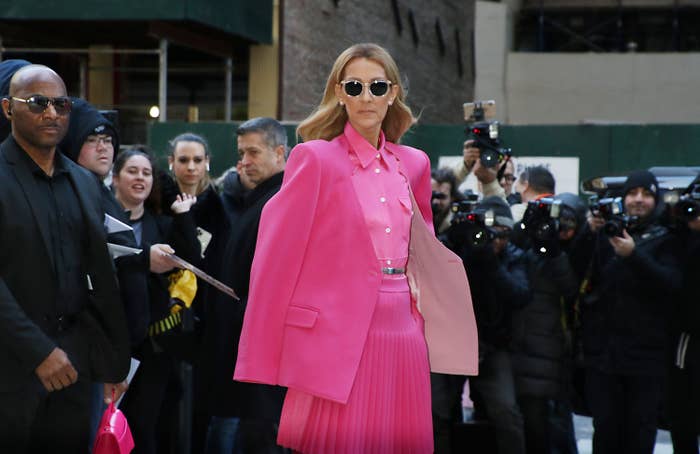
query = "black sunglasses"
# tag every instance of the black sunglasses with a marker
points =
(38, 103)
(376, 87)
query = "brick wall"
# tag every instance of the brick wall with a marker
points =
(314, 32)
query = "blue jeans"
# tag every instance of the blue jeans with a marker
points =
(221, 435)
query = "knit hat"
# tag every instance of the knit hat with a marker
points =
(641, 179)
(86, 120)
(8, 68)
(501, 210)
(573, 206)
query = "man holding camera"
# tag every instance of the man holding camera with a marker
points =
(444, 193)
(487, 176)
(498, 279)
(625, 319)
(684, 375)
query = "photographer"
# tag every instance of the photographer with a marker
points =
(498, 279)
(625, 319)
(444, 193)
(540, 349)
(684, 375)
(488, 177)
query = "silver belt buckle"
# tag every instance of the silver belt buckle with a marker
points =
(390, 270)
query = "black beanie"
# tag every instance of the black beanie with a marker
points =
(85, 120)
(641, 179)
(8, 68)
(501, 210)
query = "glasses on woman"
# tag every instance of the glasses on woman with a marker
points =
(508, 177)
(38, 104)
(355, 87)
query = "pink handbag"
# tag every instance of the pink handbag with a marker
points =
(113, 435)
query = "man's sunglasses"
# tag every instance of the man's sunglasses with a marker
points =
(38, 104)
(376, 87)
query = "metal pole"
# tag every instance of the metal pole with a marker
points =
(163, 81)
(540, 28)
(83, 78)
(228, 97)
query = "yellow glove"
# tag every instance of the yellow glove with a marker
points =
(183, 287)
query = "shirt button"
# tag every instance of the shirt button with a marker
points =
(387, 230)
(379, 156)
(382, 199)
(376, 170)
(388, 262)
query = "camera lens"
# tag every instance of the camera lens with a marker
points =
(489, 158)
(480, 238)
(612, 228)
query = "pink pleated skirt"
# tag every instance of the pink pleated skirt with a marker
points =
(389, 409)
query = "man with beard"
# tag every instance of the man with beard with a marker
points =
(625, 321)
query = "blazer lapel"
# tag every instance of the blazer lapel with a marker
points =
(25, 178)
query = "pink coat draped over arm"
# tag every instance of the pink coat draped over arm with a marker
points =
(315, 278)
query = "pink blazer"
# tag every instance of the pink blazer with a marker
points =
(315, 278)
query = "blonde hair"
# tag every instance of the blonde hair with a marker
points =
(329, 118)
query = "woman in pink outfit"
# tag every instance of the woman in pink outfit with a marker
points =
(331, 314)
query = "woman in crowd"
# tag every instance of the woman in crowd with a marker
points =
(133, 184)
(189, 159)
(330, 313)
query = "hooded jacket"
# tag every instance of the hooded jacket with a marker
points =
(86, 120)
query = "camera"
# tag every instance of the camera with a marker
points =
(612, 210)
(682, 207)
(485, 133)
(463, 207)
(688, 206)
(473, 228)
(542, 224)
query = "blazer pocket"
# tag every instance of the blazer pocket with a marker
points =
(301, 316)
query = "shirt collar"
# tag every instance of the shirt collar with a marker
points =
(59, 167)
(364, 151)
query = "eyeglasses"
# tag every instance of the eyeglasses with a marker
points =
(94, 140)
(376, 87)
(38, 104)
(509, 178)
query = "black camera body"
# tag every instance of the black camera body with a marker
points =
(485, 133)
(613, 211)
(463, 207)
(688, 206)
(471, 227)
(541, 223)
(475, 229)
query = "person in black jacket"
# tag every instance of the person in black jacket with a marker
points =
(189, 158)
(684, 376)
(498, 281)
(62, 325)
(133, 181)
(91, 141)
(540, 352)
(262, 145)
(625, 321)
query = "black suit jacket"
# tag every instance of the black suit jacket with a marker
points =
(96, 341)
